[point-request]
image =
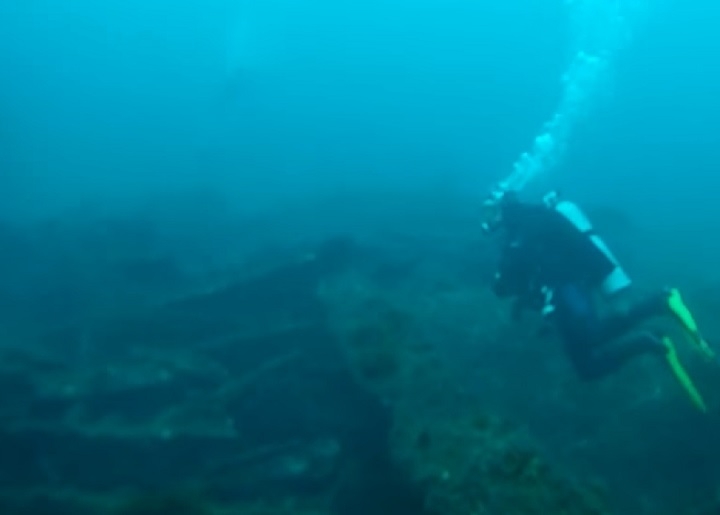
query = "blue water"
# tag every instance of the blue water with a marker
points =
(193, 110)
(113, 101)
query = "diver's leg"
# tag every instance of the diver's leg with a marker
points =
(660, 304)
(593, 361)
(598, 362)
(592, 344)
(623, 320)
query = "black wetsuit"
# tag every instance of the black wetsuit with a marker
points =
(545, 253)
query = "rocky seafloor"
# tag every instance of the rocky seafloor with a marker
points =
(334, 376)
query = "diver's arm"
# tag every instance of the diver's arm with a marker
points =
(517, 272)
(511, 276)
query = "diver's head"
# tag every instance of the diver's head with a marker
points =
(496, 207)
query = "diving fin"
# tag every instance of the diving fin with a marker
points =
(682, 376)
(684, 316)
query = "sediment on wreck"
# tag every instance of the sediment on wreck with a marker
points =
(302, 388)
(461, 457)
(239, 395)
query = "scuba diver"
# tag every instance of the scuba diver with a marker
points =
(553, 262)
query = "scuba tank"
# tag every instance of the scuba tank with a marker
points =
(615, 281)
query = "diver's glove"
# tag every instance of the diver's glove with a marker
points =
(548, 310)
(548, 306)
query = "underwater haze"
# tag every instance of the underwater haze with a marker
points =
(222, 221)
(110, 102)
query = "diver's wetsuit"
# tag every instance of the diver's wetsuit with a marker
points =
(544, 253)
(599, 346)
